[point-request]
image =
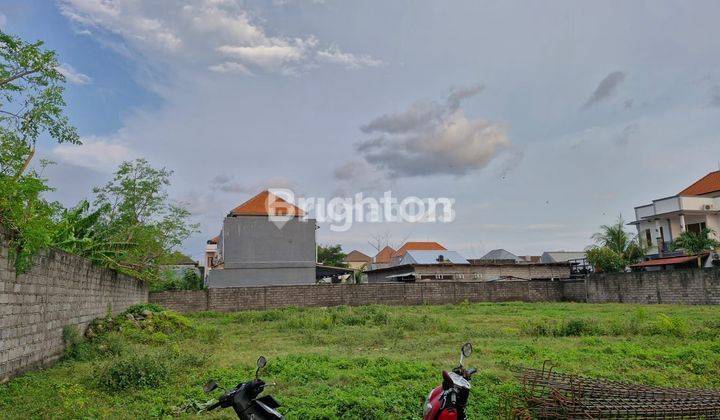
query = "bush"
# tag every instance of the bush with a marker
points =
(605, 260)
(134, 373)
(72, 339)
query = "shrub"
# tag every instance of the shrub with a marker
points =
(72, 339)
(134, 373)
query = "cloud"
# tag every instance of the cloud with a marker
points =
(227, 184)
(432, 139)
(95, 153)
(623, 139)
(73, 76)
(605, 88)
(210, 34)
(715, 96)
(3, 21)
(351, 61)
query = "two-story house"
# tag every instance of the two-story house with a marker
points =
(253, 249)
(693, 209)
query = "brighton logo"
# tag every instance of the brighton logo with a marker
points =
(342, 212)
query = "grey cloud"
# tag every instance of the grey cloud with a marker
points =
(715, 96)
(605, 88)
(623, 138)
(417, 116)
(457, 95)
(431, 139)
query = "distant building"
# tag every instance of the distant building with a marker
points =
(693, 209)
(414, 246)
(357, 260)
(254, 250)
(561, 256)
(443, 264)
(211, 254)
(500, 255)
(178, 264)
(382, 258)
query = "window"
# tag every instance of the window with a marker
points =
(662, 235)
(696, 227)
(648, 237)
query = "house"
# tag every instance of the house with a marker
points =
(692, 209)
(500, 255)
(211, 254)
(177, 264)
(443, 264)
(382, 258)
(357, 260)
(255, 249)
(561, 256)
(397, 256)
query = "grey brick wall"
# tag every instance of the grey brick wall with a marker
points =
(690, 287)
(441, 292)
(59, 290)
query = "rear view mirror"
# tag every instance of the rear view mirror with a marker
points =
(467, 349)
(210, 386)
(261, 362)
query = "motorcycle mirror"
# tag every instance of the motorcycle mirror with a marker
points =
(467, 349)
(261, 362)
(210, 386)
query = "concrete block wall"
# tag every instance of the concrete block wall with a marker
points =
(59, 290)
(689, 287)
(231, 299)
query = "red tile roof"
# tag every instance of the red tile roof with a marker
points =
(266, 204)
(666, 261)
(418, 246)
(214, 240)
(383, 257)
(705, 185)
(357, 256)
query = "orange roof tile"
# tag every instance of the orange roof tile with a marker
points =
(418, 246)
(357, 256)
(266, 204)
(666, 261)
(214, 240)
(705, 185)
(383, 257)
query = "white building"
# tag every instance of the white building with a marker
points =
(695, 208)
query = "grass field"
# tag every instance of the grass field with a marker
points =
(368, 362)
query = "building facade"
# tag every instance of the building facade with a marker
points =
(693, 209)
(255, 250)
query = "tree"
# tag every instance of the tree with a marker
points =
(331, 255)
(31, 104)
(615, 248)
(138, 212)
(32, 100)
(695, 243)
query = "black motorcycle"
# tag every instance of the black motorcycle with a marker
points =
(244, 398)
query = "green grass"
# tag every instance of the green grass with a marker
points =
(369, 362)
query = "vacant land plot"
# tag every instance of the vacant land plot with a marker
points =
(367, 362)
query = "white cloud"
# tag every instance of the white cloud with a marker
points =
(95, 153)
(230, 67)
(73, 76)
(335, 56)
(219, 35)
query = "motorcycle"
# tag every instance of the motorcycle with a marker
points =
(244, 398)
(448, 401)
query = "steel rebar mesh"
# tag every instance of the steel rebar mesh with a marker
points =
(550, 395)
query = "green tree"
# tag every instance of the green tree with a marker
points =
(31, 105)
(695, 243)
(615, 248)
(138, 212)
(331, 255)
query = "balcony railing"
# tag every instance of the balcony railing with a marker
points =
(677, 204)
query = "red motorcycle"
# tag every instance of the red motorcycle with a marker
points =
(448, 401)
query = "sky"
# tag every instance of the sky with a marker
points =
(542, 120)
